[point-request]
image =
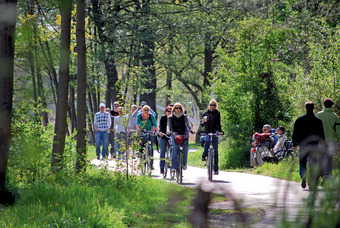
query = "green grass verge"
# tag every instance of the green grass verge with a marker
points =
(99, 199)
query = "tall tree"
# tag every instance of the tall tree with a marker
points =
(81, 85)
(62, 95)
(7, 30)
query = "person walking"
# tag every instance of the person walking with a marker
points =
(120, 124)
(308, 133)
(132, 129)
(102, 124)
(114, 113)
(212, 123)
(178, 124)
(331, 127)
(163, 140)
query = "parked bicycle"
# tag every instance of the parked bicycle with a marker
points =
(211, 153)
(147, 163)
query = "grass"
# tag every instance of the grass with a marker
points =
(99, 199)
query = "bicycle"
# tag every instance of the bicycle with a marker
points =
(180, 141)
(168, 155)
(147, 166)
(211, 153)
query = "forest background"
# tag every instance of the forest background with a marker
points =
(261, 61)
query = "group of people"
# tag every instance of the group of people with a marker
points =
(110, 127)
(317, 137)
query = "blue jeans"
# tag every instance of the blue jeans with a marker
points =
(163, 145)
(174, 153)
(121, 142)
(101, 139)
(215, 146)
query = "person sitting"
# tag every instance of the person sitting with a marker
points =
(266, 137)
(278, 148)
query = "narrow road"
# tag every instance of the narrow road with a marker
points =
(251, 191)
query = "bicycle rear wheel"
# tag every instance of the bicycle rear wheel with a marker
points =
(291, 155)
(210, 164)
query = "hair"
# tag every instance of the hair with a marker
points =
(267, 126)
(134, 106)
(309, 105)
(120, 109)
(115, 103)
(177, 104)
(328, 102)
(213, 101)
(282, 128)
(146, 106)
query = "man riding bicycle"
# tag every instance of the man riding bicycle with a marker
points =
(147, 122)
(212, 123)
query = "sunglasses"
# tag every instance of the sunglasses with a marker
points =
(178, 108)
(146, 110)
(212, 105)
(168, 110)
(116, 105)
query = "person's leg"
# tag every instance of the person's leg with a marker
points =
(215, 146)
(303, 169)
(206, 146)
(174, 153)
(119, 144)
(105, 140)
(111, 142)
(153, 140)
(98, 144)
(162, 144)
(185, 155)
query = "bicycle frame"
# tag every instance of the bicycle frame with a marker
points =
(148, 148)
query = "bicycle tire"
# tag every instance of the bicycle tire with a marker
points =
(166, 163)
(181, 167)
(210, 164)
(260, 150)
(291, 155)
(147, 162)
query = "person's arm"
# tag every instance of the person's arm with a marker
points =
(337, 129)
(218, 122)
(168, 126)
(186, 120)
(153, 123)
(95, 123)
(137, 122)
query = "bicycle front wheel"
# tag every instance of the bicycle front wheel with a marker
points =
(147, 161)
(180, 167)
(210, 164)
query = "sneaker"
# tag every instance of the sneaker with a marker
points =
(98, 157)
(185, 167)
(303, 183)
(216, 173)
(173, 170)
(203, 158)
(162, 171)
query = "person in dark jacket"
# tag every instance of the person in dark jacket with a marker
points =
(163, 140)
(308, 134)
(212, 123)
(178, 124)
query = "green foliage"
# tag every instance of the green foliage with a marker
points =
(29, 158)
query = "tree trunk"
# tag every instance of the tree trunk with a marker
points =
(7, 31)
(61, 112)
(81, 87)
(112, 89)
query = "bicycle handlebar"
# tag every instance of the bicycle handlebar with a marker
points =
(203, 133)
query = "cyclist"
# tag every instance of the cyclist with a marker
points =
(178, 124)
(163, 141)
(212, 123)
(146, 121)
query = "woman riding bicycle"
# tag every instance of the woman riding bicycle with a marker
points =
(212, 123)
(178, 124)
(163, 140)
(147, 122)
